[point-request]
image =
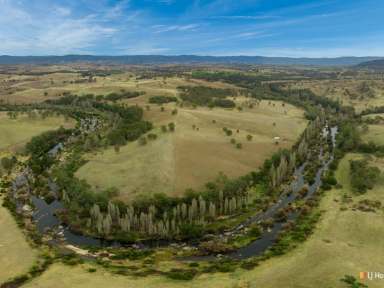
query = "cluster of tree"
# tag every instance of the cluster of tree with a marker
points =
(162, 99)
(87, 99)
(227, 131)
(242, 79)
(275, 91)
(373, 110)
(39, 146)
(170, 127)
(165, 224)
(285, 167)
(348, 138)
(365, 90)
(125, 132)
(7, 163)
(363, 176)
(207, 96)
(121, 95)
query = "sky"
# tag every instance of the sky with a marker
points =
(292, 28)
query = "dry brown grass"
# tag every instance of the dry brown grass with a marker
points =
(16, 256)
(344, 243)
(188, 158)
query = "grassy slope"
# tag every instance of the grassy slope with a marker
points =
(375, 134)
(16, 256)
(188, 158)
(15, 133)
(336, 89)
(345, 242)
(27, 89)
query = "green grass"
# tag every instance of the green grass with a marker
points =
(375, 134)
(16, 256)
(189, 158)
(16, 132)
(344, 243)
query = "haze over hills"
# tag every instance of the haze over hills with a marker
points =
(377, 64)
(186, 59)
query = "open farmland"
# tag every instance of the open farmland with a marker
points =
(358, 93)
(16, 132)
(197, 151)
(16, 256)
(320, 262)
(19, 88)
(375, 134)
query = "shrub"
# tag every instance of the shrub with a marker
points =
(171, 126)
(363, 177)
(191, 231)
(152, 136)
(215, 247)
(142, 141)
(162, 99)
(182, 274)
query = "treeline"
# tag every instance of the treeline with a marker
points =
(124, 122)
(162, 99)
(162, 216)
(158, 216)
(114, 96)
(207, 96)
(373, 110)
(276, 91)
(363, 176)
(39, 146)
(73, 99)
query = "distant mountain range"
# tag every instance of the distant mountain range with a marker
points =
(186, 59)
(374, 65)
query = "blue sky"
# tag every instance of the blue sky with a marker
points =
(295, 28)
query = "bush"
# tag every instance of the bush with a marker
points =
(152, 136)
(191, 231)
(171, 126)
(182, 274)
(162, 99)
(215, 247)
(254, 231)
(142, 141)
(363, 177)
(224, 266)
(131, 254)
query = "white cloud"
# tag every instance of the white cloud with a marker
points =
(63, 11)
(169, 28)
(26, 32)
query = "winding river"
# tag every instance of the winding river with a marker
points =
(44, 216)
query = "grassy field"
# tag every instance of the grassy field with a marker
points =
(375, 134)
(345, 242)
(16, 256)
(188, 158)
(16, 132)
(348, 91)
(30, 89)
